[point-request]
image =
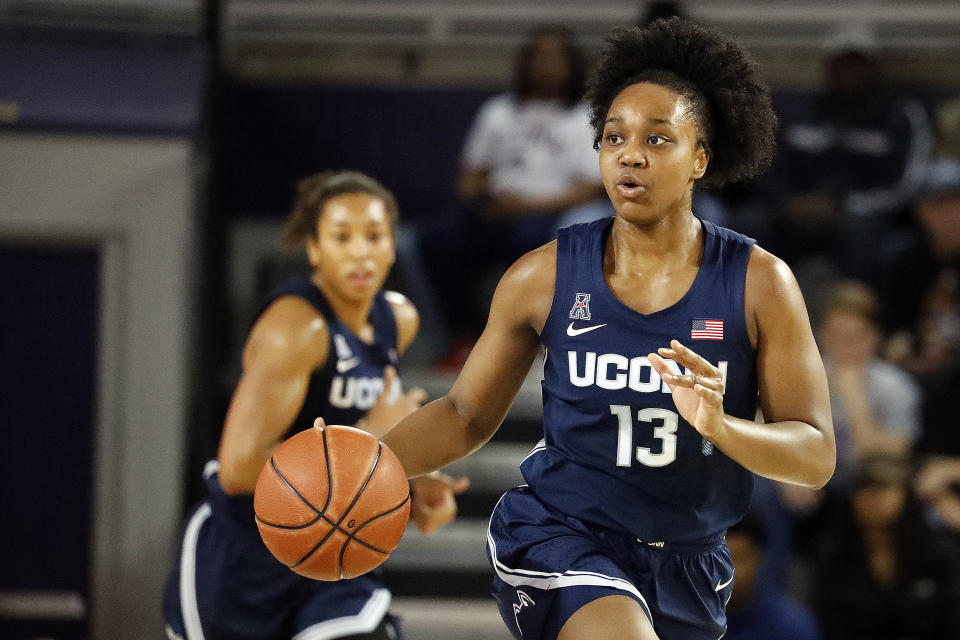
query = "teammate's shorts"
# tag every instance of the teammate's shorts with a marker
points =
(225, 584)
(548, 564)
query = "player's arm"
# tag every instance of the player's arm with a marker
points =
(459, 423)
(287, 343)
(796, 445)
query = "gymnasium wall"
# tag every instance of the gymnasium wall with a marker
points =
(129, 199)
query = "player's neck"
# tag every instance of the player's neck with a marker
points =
(352, 313)
(637, 248)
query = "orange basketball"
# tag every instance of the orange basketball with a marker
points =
(332, 502)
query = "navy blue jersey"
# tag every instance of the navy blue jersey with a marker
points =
(346, 386)
(615, 451)
(351, 379)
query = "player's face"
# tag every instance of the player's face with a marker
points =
(354, 248)
(649, 155)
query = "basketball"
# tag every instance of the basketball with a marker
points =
(332, 502)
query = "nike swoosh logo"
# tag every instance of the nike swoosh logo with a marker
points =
(345, 365)
(721, 586)
(575, 332)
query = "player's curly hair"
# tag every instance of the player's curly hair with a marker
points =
(729, 99)
(314, 191)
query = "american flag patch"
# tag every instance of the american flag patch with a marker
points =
(706, 330)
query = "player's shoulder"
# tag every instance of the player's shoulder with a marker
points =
(526, 289)
(291, 327)
(406, 315)
(768, 274)
(535, 270)
(402, 306)
(772, 295)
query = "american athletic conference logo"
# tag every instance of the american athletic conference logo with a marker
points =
(581, 307)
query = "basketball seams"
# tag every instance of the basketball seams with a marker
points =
(320, 513)
(348, 452)
(353, 536)
(326, 460)
(356, 496)
(318, 545)
(363, 486)
(286, 482)
(346, 512)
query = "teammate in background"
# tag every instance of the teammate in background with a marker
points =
(619, 532)
(325, 345)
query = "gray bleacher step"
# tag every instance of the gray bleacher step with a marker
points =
(460, 546)
(450, 619)
(494, 468)
(528, 405)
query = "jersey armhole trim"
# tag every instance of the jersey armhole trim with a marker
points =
(743, 321)
(563, 244)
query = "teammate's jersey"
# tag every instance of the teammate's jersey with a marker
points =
(615, 450)
(351, 379)
(342, 390)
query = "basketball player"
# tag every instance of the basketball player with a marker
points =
(324, 345)
(663, 332)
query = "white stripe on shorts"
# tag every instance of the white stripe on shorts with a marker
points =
(555, 580)
(188, 574)
(364, 622)
(212, 467)
(537, 448)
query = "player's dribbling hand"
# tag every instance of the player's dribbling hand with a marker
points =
(392, 406)
(698, 394)
(434, 504)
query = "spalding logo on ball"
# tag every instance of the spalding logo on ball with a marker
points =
(332, 502)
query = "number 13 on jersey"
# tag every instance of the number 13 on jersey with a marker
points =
(666, 432)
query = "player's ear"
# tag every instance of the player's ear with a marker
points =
(700, 161)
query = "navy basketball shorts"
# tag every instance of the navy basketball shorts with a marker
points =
(548, 564)
(225, 584)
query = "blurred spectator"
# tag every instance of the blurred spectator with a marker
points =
(876, 405)
(866, 143)
(759, 610)
(921, 278)
(938, 483)
(948, 127)
(884, 572)
(528, 159)
(529, 154)
(859, 153)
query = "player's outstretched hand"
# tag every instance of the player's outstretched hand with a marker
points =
(392, 406)
(698, 394)
(434, 504)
